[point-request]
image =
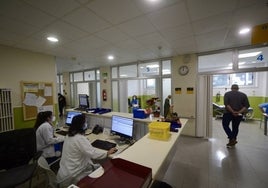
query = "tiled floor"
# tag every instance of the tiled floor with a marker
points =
(207, 163)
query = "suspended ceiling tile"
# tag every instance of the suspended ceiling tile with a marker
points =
(116, 11)
(86, 20)
(170, 16)
(136, 27)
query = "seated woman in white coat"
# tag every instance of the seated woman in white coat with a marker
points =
(77, 153)
(45, 138)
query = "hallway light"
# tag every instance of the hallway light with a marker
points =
(52, 39)
(244, 31)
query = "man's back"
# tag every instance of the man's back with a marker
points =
(236, 100)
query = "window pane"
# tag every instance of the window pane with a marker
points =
(215, 62)
(89, 75)
(221, 80)
(243, 79)
(98, 74)
(257, 57)
(114, 72)
(71, 77)
(58, 79)
(98, 95)
(148, 69)
(78, 76)
(166, 90)
(115, 101)
(128, 71)
(166, 67)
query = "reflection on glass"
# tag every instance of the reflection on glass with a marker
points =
(78, 76)
(128, 71)
(148, 69)
(253, 58)
(226, 80)
(215, 62)
(166, 67)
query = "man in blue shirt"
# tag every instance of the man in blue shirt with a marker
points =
(236, 103)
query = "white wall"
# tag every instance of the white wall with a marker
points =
(185, 104)
(21, 65)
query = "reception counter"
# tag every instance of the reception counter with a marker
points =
(105, 121)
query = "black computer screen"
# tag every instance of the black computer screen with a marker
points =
(83, 101)
(70, 116)
(122, 126)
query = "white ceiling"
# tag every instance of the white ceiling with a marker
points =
(131, 30)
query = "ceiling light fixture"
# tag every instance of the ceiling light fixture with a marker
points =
(52, 39)
(244, 31)
(110, 57)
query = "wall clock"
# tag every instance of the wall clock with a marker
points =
(183, 70)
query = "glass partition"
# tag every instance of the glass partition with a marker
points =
(253, 58)
(215, 62)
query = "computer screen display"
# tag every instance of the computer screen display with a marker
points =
(70, 116)
(83, 101)
(122, 126)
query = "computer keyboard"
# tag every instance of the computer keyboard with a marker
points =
(81, 109)
(62, 132)
(103, 144)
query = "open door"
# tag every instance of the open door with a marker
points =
(204, 107)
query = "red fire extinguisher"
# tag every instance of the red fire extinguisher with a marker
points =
(104, 95)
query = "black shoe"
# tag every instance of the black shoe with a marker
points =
(232, 142)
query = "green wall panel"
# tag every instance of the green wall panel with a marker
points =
(19, 122)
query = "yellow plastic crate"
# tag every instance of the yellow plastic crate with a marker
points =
(159, 130)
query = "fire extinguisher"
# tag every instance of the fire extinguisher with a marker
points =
(104, 95)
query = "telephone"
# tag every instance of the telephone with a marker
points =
(97, 129)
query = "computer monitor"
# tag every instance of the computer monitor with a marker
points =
(70, 116)
(83, 101)
(122, 126)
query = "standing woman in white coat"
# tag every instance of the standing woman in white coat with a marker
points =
(45, 138)
(77, 153)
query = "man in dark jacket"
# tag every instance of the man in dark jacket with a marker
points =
(62, 103)
(236, 104)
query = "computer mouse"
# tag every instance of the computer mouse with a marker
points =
(57, 129)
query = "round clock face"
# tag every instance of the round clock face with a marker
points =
(183, 70)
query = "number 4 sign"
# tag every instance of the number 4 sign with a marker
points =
(260, 57)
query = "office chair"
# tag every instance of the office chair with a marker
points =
(18, 157)
(51, 178)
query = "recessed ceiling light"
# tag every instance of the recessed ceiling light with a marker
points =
(110, 57)
(52, 39)
(244, 31)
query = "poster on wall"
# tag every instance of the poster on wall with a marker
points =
(177, 90)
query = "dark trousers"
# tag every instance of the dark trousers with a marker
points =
(227, 118)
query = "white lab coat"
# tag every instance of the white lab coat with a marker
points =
(77, 155)
(45, 140)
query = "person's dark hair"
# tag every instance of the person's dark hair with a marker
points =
(41, 118)
(235, 87)
(77, 125)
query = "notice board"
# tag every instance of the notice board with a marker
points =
(36, 97)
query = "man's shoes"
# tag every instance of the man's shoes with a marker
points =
(232, 142)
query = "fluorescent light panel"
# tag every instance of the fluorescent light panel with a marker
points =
(52, 39)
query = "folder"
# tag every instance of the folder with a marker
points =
(119, 173)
